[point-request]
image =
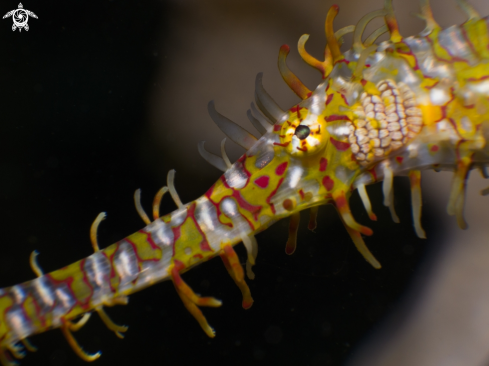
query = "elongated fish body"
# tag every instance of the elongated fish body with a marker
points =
(381, 111)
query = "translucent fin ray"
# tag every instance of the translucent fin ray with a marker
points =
(313, 215)
(251, 246)
(391, 22)
(235, 132)
(256, 123)
(358, 45)
(94, 228)
(356, 237)
(343, 31)
(192, 300)
(362, 191)
(358, 73)
(214, 160)
(117, 329)
(346, 215)
(34, 265)
(28, 345)
(291, 245)
(157, 202)
(235, 270)
(265, 102)
(323, 67)
(75, 327)
(171, 187)
(139, 209)
(388, 190)
(224, 155)
(427, 16)
(468, 9)
(289, 77)
(330, 36)
(265, 122)
(416, 202)
(375, 34)
(16, 350)
(88, 357)
(457, 194)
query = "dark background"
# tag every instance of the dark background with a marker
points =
(93, 107)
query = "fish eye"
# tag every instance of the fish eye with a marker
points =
(302, 132)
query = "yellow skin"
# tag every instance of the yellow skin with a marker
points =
(315, 153)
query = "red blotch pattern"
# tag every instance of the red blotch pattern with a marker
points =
(323, 164)
(281, 168)
(340, 146)
(329, 99)
(262, 181)
(328, 183)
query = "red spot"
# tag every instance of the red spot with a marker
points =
(301, 193)
(367, 65)
(340, 146)
(288, 204)
(363, 82)
(328, 183)
(323, 164)
(277, 127)
(399, 159)
(285, 144)
(337, 117)
(434, 148)
(262, 182)
(342, 60)
(344, 99)
(302, 148)
(281, 168)
(329, 99)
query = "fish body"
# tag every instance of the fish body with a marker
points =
(396, 108)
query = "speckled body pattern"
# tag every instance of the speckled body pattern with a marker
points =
(414, 103)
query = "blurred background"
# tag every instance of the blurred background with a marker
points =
(101, 98)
